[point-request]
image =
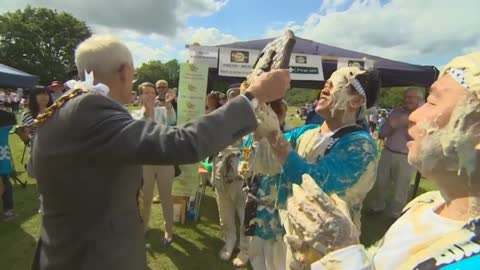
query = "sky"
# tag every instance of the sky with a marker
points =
(426, 32)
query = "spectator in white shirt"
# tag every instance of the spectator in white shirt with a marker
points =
(156, 174)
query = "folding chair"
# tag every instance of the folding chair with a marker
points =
(22, 134)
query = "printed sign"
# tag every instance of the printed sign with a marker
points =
(203, 55)
(305, 67)
(236, 62)
(350, 62)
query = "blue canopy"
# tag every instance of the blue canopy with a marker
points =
(392, 73)
(10, 77)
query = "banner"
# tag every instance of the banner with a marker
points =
(236, 62)
(203, 55)
(349, 62)
(190, 105)
(306, 67)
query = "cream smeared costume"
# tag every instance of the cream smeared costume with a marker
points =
(349, 167)
(230, 198)
(421, 239)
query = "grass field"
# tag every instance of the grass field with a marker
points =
(194, 247)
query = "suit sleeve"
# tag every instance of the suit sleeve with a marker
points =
(109, 133)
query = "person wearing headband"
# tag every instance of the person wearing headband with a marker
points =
(438, 230)
(340, 155)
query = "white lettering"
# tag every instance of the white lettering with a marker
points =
(456, 254)
(470, 248)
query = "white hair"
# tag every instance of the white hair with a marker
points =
(416, 90)
(102, 54)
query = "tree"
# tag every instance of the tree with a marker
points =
(41, 41)
(391, 97)
(300, 96)
(172, 70)
(155, 70)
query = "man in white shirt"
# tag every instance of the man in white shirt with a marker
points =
(438, 230)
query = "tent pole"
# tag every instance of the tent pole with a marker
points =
(416, 185)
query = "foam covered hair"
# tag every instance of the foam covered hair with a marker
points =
(466, 71)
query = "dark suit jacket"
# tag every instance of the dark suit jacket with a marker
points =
(87, 159)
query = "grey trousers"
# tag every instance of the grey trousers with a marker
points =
(393, 172)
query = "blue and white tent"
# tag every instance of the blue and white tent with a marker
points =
(11, 77)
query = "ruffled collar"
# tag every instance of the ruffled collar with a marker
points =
(88, 84)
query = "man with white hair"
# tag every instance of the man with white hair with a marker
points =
(89, 151)
(439, 230)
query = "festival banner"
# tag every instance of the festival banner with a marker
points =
(306, 67)
(236, 62)
(203, 55)
(190, 106)
(349, 62)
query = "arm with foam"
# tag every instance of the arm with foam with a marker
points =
(338, 170)
(263, 160)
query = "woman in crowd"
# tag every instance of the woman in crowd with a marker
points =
(214, 101)
(161, 175)
(39, 100)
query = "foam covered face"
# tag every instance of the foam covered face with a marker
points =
(442, 140)
(335, 95)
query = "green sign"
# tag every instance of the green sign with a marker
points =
(304, 70)
(192, 90)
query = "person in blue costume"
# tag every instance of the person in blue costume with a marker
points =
(267, 248)
(339, 155)
(7, 121)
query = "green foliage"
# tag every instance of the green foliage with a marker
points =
(391, 97)
(300, 96)
(41, 41)
(155, 70)
(219, 85)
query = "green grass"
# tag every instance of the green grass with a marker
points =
(195, 246)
